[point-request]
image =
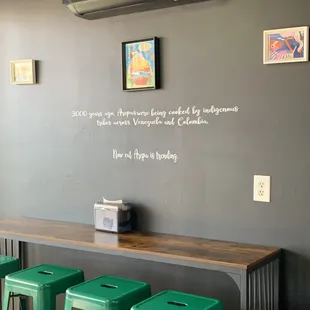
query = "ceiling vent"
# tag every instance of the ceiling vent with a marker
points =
(95, 9)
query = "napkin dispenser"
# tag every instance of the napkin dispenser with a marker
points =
(113, 217)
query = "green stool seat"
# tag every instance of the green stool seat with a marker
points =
(172, 300)
(43, 283)
(107, 293)
(8, 265)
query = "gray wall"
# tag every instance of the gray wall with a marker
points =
(55, 167)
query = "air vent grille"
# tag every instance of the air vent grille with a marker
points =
(95, 9)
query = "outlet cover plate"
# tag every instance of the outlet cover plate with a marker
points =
(261, 188)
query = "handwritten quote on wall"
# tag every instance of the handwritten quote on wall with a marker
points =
(179, 117)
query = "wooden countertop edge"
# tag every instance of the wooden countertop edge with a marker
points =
(277, 252)
(113, 248)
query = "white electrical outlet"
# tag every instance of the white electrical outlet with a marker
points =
(261, 191)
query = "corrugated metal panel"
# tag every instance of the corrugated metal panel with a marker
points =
(263, 288)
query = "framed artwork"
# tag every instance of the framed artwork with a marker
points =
(23, 72)
(286, 45)
(141, 64)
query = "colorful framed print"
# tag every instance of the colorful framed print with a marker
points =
(23, 72)
(286, 45)
(141, 64)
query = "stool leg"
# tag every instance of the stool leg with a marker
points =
(68, 304)
(52, 304)
(6, 299)
(38, 302)
(41, 302)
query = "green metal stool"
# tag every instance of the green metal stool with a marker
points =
(43, 283)
(172, 300)
(107, 293)
(10, 265)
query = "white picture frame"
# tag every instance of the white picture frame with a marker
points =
(286, 45)
(23, 72)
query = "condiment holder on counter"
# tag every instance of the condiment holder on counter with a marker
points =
(113, 216)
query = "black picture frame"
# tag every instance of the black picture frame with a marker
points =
(146, 69)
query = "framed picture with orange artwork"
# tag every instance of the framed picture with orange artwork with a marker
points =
(23, 72)
(286, 45)
(141, 64)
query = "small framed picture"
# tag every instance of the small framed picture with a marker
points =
(286, 45)
(140, 62)
(23, 72)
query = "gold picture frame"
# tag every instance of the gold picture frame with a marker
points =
(23, 72)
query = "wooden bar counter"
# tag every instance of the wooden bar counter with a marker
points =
(255, 269)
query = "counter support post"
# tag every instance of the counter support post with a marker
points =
(244, 290)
